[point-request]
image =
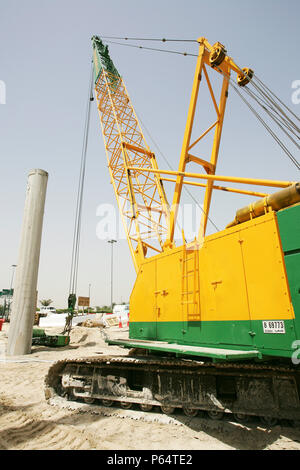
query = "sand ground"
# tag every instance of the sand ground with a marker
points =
(28, 422)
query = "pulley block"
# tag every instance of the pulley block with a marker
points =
(217, 54)
(244, 78)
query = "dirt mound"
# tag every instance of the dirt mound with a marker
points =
(82, 335)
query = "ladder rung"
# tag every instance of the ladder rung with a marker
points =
(189, 270)
(188, 273)
(192, 256)
(193, 301)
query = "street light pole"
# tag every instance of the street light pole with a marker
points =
(111, 273)
(12, 276)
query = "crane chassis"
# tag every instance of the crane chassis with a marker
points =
(214, 322)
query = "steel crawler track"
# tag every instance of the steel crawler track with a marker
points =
(263, 390)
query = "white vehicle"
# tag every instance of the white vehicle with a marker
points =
(47, 310)
(121, 309)
(122, 312)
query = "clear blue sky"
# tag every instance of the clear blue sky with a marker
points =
(45, 53)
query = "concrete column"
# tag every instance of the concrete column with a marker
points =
(24, 299)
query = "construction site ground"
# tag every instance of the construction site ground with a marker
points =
(28, 422)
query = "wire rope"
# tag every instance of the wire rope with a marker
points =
(153, 49)
(78, 217)
(271, 132)
(149, 39)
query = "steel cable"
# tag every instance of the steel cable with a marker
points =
(280, 143)
(264, 102)
(271, 132)
(271, 100)
(77, 228)
(271, 92)
(278, 119)
(153, 49)
(149, 39)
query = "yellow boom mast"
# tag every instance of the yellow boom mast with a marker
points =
(216, 58)
(140, 194)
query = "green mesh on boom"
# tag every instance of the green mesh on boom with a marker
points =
(102, 61)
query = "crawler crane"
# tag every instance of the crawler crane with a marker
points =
(214, 323)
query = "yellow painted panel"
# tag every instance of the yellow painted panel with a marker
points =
(222, 281)
(265, 273)
(168, 293)
(242, 277)
(143, 299)
(157, 291)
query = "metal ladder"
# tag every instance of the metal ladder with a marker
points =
(190, 284)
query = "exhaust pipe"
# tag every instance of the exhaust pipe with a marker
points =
(276, 201)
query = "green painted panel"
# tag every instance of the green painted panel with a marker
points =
(289, 227)
(292, 262)
(180, 350)
(220, 334)
(104, 60)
